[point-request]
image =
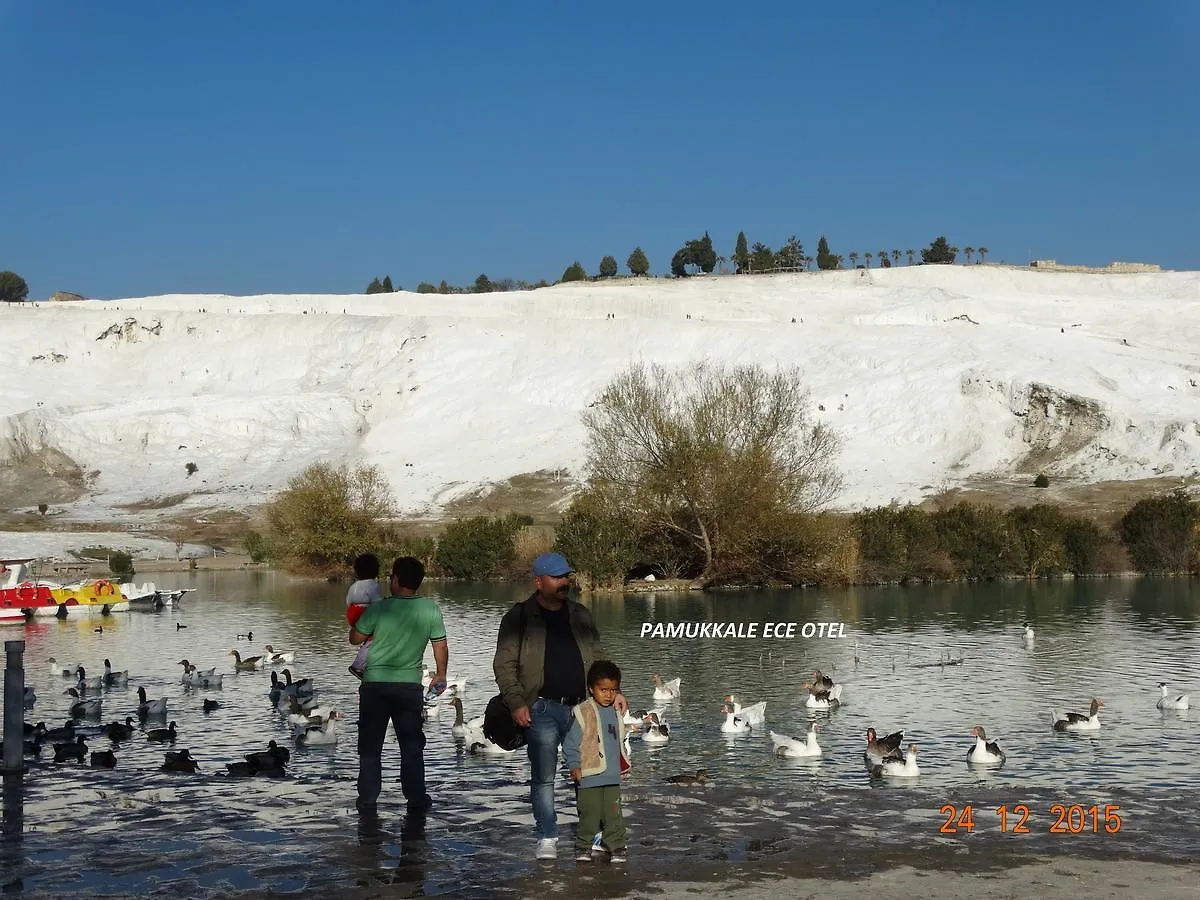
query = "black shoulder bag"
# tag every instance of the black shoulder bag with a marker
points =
(498, 724)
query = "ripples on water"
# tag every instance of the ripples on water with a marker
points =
(133, 829)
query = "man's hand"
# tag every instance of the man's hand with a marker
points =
(621, 705)
(577, 775)
(521, 716)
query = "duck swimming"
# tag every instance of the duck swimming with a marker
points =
(248, 664)
(77, 750)
(210, 705)
(103, 759)
(701, 777)
(1078, 721)
(273, 756)
(984, 752)
(162, 734)
(179, 761)
(118, 731)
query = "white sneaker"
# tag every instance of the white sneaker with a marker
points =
(547, 848)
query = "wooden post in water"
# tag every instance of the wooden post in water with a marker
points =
(14, 705)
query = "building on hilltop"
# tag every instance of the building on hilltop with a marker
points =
(1113, 268)
(65, 296)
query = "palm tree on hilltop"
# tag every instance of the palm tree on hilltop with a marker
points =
(983, 251)
(896, 257)
(967, 252)
(911, 254)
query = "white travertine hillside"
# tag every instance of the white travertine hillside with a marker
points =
(931, 374)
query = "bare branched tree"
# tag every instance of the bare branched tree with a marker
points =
(709, 452)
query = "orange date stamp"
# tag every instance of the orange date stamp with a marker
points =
(1067, 819)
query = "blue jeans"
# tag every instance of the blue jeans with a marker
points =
(402, 704)
(549, 724)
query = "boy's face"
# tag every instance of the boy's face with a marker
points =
(605, 691)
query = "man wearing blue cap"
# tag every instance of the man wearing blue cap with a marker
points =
(543, 651)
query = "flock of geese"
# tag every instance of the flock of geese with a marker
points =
(884, 757)
(311, 723)
(315, 725)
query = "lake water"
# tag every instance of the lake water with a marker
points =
(134, 830)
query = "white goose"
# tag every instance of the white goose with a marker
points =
(478, 743)
(1078, 721)
(278, 657)
(733, 723)
(666, 690)
(320, 735)
(194, 678)
(984, 752)
(657, 731)
(755, 713)
(631, 722)
(317, 715)
(791, 748)
(891, 768)
(56, 670)
(1179, 701)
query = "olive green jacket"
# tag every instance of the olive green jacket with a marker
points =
(518, 669)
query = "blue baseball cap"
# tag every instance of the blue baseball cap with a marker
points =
(553, 564)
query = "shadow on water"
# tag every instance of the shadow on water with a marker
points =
(133, 829)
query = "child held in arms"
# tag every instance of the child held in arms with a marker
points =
(595, 752)
(363, 592)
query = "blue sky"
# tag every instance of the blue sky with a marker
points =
(246, 148)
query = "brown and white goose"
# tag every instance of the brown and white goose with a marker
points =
(1078, 721)
(984, 752)
(879, 749)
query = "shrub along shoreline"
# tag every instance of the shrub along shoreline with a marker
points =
(1158, 535)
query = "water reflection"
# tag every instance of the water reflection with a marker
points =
(209, 834)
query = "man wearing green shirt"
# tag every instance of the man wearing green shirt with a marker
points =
(401, 625)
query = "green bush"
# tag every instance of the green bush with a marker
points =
(1040, 531)
(13, 288)
(257, 547)
(1084, 543)
(882, 543)
(326, 516)
(477, 548)
(602, 545)
(980, 540)
(120, 564)
(1160, 534)
(574, 272)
